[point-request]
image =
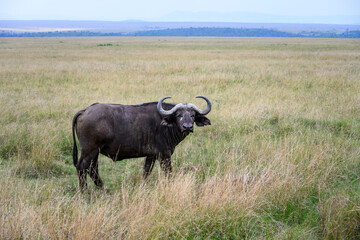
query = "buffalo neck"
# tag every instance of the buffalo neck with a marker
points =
(173, 136)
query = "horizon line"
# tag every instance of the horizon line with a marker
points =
(179, 21)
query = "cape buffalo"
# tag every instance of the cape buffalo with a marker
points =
(151, 130)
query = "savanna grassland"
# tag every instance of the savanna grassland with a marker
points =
(281, 159)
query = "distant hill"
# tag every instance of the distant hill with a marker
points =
(189, 32)
(206, 16)
(141, 28)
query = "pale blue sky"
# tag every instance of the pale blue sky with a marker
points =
(118, 10)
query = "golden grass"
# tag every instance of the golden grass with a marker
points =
(280, 160)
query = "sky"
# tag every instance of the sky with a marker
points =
(175, 10)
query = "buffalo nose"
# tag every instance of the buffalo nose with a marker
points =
(188, 126)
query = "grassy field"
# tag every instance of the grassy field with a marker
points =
(281, 159)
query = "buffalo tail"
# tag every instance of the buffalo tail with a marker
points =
(75, 150)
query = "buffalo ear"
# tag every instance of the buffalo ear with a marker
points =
(202, 121)
(167, 121)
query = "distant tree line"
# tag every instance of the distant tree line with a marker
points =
(216, 32)
(191, 32)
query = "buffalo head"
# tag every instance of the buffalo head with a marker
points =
(184, 115)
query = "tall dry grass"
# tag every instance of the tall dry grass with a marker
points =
(280, 160)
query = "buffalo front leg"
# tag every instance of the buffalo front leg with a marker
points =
(148, 166)
(165, 164)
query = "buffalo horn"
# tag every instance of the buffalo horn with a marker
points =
(180, 105)
(206, 110)
(169, 112)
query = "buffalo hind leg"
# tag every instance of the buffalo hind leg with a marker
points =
(148, 166)
(94, 172)
(83, 166)
(82, 179)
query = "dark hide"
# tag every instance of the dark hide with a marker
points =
(129, 131)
